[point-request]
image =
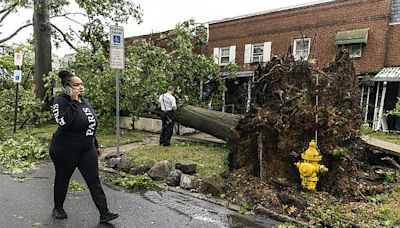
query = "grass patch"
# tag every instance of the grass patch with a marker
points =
(106, 139)
(137, 182)
(385, 136)
(127, 136)
(380, 211)
(210, 159)
(75, 186)
(22, 153)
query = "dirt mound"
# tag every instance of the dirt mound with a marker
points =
(281, 123)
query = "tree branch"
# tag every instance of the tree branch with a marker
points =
(74, 21)
(66, 14)
(9, 8)
(15, 33)
(392, 161)
(8, 11)
(64, 36)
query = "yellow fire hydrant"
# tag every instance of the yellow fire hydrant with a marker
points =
(309, 168)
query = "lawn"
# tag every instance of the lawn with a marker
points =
(381, 210)
(210, 158)
(385, 136)
(45, 132)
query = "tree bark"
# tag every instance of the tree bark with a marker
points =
(217, 124)
(42, 40)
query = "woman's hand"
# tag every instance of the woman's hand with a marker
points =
(99, 152)
(75, 95)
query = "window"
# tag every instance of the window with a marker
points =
(353, 49)
(224, 55)
(301, 48)
(257, 53)
(395, 13)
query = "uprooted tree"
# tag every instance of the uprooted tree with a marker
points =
(281, 123)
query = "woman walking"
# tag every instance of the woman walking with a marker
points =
(74, 145)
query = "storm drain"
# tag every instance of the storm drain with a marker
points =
(189, 207)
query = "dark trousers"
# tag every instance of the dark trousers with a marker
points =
(167, 128)
(65, 161)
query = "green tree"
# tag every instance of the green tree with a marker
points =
(148, 71)
(29, 107)
(96, 16)
(396, 110)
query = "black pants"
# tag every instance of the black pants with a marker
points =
(167, 128)
(65, 161)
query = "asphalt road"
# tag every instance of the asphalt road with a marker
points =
(29, 204)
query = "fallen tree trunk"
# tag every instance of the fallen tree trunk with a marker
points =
(217, 124)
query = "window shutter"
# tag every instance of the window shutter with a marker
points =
(267, 52)
(232, 54)
(216, 55)
(247, 53)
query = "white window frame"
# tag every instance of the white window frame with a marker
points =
(227, 56)
(260, 57)
(295, 47)
(354, 55)
(230, 54)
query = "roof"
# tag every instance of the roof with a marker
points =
(354, 36)
(390, 74)
(269, 11)
(239, 74)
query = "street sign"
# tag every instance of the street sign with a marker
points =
(17, 76)
(116, 36)
(18, 59)
(117, 53)
(117, 58)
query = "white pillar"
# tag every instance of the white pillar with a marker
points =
(201, 90)
(366, 104)
(223, 101)
(375, 119)
(362, 95)
(249, 94)
(380, 116)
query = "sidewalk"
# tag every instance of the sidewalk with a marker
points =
(387, 147)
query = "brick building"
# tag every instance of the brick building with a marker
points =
(369, 29)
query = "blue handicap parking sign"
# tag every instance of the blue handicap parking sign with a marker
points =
(117, 39)
(17, 77)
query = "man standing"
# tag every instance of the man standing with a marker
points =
(167, 103)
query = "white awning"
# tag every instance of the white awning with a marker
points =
(389, 74)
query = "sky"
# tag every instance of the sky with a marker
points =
(159, 15)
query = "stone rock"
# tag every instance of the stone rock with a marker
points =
(189, 182)
(186, 166)
(160, 170)
(151, 163)
(113, 162)
(125, 164)
(139, 169)
(214, 185)
(174, 177)
(109, 156)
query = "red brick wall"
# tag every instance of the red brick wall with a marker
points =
(319, 22)
(393, 48)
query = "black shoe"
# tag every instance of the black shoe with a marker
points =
(167, 144)
(108, 216)
(59, 213)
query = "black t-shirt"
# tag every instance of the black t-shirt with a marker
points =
(77, 122)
